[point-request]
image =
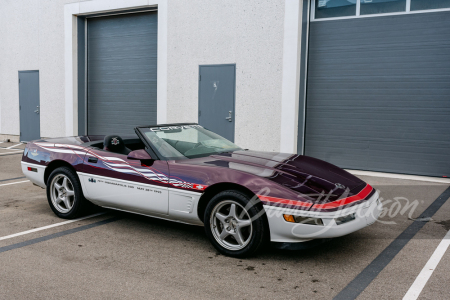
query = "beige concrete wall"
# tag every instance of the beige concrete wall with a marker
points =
(32, 38)
(247, 33)
(9, 137)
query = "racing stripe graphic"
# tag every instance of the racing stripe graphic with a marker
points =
(126, 168)
(361, 196)
(287, 203)
(59, 148)
(122, 166)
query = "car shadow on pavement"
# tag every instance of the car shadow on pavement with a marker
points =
(196, 235)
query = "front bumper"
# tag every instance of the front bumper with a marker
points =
(285, 232)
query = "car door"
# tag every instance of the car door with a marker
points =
(112, 180)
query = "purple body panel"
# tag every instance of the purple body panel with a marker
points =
(279, 175)
(210, 170)
(120, 167)
(276, 175)
(44, 152)
(140, 154)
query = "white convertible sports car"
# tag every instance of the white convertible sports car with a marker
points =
(185, 173)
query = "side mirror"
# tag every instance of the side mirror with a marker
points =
(140, 154)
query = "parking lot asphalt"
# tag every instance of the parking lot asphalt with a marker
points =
(120, 255)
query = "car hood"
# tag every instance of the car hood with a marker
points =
(313, 178)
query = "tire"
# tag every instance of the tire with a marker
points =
(65, 195)
(241, 233)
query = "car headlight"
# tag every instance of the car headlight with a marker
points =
(345, 219)
(303, 220)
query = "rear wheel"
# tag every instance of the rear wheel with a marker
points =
(234, 226)
(65, 195)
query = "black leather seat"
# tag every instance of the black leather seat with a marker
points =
(114, 143)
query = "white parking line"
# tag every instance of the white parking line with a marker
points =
(10, 152)
(14, 146)
(421, 280)
(49, 226)
(14, 183)
(9, 148)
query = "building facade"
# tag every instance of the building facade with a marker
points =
(362, 84)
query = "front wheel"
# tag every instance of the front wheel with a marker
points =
(235, 226)
(64, 194)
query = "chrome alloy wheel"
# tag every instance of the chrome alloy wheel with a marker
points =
(231, 225)
(62, 193)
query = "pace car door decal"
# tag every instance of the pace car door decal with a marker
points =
(125, 195)
(126, 184)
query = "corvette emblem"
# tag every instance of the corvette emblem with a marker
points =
(340, 186)
(115, 141)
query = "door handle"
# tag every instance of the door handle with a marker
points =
(37, 110)
(229, 116)
(93, 160)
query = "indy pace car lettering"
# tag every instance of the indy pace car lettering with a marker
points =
(120, 165)
(127, 186)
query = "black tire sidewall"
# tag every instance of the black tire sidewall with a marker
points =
(79, 201)
(260, 227)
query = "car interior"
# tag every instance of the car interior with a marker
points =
(181, 146)
(125, 146)
(117, 144)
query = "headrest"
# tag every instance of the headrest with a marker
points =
(114, 143)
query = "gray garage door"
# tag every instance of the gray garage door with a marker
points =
(378, 93)
(121, 91)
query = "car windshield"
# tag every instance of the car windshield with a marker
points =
(186, 141)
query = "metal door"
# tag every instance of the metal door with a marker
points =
(29, 106)
(216, 99)
(121, 72)
(378, 93)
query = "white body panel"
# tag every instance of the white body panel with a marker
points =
(282, 231)
(35, 177)
(140, 198)
(125, 195)
(183, 206)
